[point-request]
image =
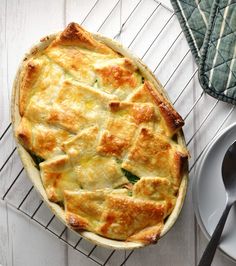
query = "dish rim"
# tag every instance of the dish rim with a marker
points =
(31, 169)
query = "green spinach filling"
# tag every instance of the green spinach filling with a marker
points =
(131, 177)
(37, 159)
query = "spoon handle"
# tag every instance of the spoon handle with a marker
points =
(210, 250)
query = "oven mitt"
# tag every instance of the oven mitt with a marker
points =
(210, 29)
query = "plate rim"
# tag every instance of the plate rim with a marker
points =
(195, 184)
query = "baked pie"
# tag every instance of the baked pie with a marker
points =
(106, 141)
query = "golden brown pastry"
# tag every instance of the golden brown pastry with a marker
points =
(105, 136)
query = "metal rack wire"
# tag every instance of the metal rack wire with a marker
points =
(39, 213)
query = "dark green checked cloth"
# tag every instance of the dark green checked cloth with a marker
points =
(210, 29)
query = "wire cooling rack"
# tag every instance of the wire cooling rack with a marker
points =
(151, 30)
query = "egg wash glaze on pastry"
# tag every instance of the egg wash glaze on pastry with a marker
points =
(103, 135)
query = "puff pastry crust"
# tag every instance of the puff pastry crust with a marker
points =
(105, 135)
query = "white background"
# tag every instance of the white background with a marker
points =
(24, 22)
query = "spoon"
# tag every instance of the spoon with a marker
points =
(228, 171)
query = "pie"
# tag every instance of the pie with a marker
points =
(106, 141)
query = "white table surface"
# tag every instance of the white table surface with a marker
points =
(23, 22)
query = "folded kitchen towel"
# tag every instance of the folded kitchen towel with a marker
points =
(210, 29)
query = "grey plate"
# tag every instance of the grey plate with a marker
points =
(209, 197)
